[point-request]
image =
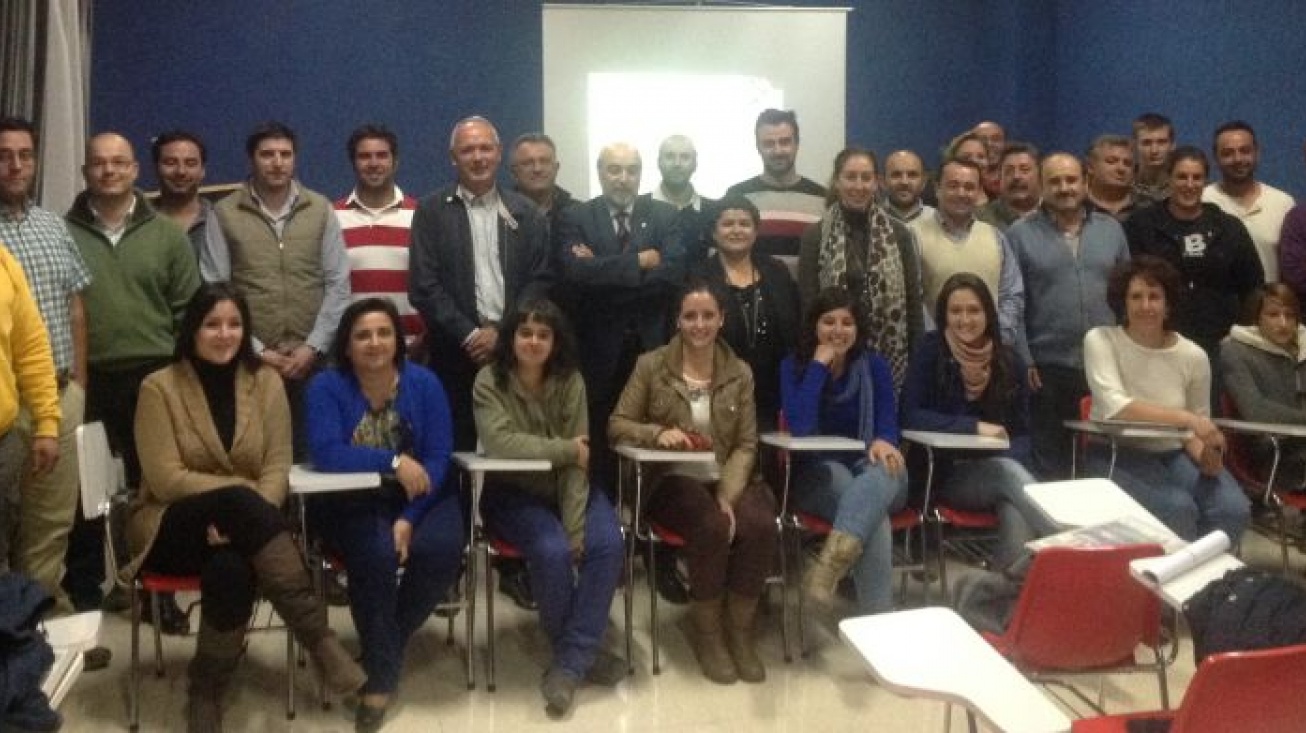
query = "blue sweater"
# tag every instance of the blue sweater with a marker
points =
(944, 408)
(336, 405)
(816, 403)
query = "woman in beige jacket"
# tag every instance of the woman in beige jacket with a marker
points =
(694, 393)
(214, 432)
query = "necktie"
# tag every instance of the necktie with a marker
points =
(623, 229)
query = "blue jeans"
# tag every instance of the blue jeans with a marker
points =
(388, 609)
(574, 601)
(1170, 486)
(997, 484)
(857, 498)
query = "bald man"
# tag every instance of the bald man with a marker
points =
(1065, 252)
(624, 260)
(476, 251)
(143, 274)
(994, 138)
(904, 184)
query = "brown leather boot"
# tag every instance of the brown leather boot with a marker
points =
(740, 611)
(286, 584)
(216, 655)
(822, 578)
(707, 639)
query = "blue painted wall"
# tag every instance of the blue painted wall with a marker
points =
(1056, 72)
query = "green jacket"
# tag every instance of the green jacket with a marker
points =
(514, 424)
(140, 288)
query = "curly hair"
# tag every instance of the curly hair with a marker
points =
(562, 359)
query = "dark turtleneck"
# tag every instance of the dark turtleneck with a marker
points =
(219, 383)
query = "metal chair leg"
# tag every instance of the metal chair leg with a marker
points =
(490, 682)
(134, 696)
(653, 605)
(156, 607)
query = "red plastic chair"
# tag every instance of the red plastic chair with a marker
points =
(1080, 612)
(1235, 692)
(1255, 480)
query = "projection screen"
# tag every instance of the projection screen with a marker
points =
(638, 73)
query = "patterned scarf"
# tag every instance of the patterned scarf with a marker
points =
(883, 293)
(976, 363)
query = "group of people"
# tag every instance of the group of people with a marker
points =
(221, 342)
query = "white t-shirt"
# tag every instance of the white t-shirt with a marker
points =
(1263, 219)
(1120, 370)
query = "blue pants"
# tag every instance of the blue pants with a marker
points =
(387, 608)
(997, 484)
(857, 498)
(1170, 486)
(574, 600)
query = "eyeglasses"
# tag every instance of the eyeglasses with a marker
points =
(17, 156)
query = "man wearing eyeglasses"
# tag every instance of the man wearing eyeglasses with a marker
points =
(144, 273)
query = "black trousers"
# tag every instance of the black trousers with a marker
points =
(1057, 401)
(227, 580)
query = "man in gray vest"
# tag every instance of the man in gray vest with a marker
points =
(280, 245)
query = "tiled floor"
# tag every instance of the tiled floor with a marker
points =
(828, 692)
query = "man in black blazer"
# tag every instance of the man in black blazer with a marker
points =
(476, 251)
(623, 261)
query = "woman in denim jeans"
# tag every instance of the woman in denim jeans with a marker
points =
(835, 386)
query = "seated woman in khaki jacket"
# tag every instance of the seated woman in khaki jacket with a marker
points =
(690, 393)
(214, 433)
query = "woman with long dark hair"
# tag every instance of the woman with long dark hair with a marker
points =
(214, 432)
(530, 403)
(963, 379)
(833, 385)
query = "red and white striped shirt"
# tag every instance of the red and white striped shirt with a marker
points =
(377, 243)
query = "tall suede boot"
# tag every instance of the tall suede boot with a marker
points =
(286, 584)
(822, 578)
(740, 611)
(216, 655)
(707, 639)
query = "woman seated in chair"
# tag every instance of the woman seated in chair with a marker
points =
(963, 379)
(376, 411)
(1263, 364)
(530, 403)
(1144, 370)
(690, 394)
(835, 386)
(214, 431)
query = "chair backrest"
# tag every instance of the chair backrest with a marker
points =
(1257, 691)
(1079, 609)
(95, 469)
(1239, 459)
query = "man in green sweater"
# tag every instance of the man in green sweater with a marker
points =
(144, 273)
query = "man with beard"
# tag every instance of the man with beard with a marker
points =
(905, 180)
(179, 158)
(788, 202)
(624, 259)
(1065, 252)
(677, 162)
(1259, 206)
(1020, 187)
(1111, 176)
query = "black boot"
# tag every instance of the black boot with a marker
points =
(286, 584)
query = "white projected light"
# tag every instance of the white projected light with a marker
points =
(711, 109)
(640, 73)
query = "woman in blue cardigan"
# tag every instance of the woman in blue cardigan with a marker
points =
(963, 379)
(375, 411)
(834, 386)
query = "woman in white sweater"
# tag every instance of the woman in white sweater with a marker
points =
(1143, 370)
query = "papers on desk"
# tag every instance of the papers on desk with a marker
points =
(1181, 574)
(1120, 531)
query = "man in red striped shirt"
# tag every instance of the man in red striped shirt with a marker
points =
(376, 218)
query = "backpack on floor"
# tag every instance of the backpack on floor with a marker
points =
(1247, 609)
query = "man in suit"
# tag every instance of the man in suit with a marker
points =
(624, 260)
(476, 251)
